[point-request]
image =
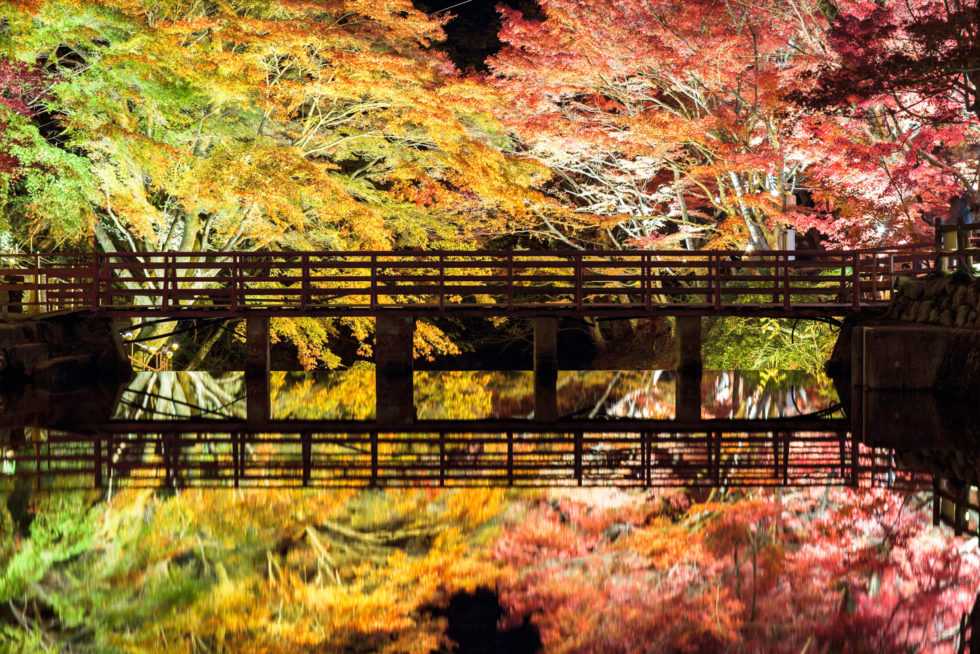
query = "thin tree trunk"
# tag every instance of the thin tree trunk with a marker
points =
(205, 348)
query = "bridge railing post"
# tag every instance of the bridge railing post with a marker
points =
(775, 276)
(855, 281)
(95, 281)
(941, 261)
(578, 282)
(891, 274)
(716, 262)
(304, 296)
(786, 286)
(510, 282)
(647, 276)
(233, 291)
(442, 281)
(37, 308)
(374, 460)
(164, 285)
(374, 282)
(510, 458)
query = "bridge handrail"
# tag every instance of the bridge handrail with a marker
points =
(925, 246)
(501, 281)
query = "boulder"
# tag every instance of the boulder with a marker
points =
(962, 312)
(911, 288)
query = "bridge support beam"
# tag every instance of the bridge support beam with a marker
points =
(258, 407)
(687, 334)
(394, 369)
(689, 365)
(687, 395)
(545, 369)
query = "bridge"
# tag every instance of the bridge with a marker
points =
(620, 283)
(798, 451)
(714, 453)
(396, 288)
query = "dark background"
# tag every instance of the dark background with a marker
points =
(471, 36)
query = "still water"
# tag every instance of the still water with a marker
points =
(760, 512)
(475, 395)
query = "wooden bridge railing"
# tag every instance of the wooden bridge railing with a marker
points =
(447, 458)
(479, 282)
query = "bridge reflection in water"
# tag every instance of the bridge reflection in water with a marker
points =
(708, 455)
(875, 444)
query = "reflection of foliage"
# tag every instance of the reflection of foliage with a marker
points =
(758, 343)
(156, 395)
(209, 571)
(765, 393)
(350, 395)
(459, 395)
(61, 529)
(347, 395)
(839, 570)
(632, 394)
(597, 571)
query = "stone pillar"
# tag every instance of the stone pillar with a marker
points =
(394, 369)
(687, 334)
(258, 398)
(545, 369)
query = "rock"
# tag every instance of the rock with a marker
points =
(933, 316)
(946, 318)
(962, 311)
(908, 315)
(65, 373)
(23, 358)
(911, 288)
(959, 296)
(971, 295)
(48, 348)
(922, 310)
(960, 277)
(934, 286)
(971, 318)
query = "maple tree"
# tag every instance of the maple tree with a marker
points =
(896, 117)
(266, 124)
(666, 119)
(37, 178)
(706, 123)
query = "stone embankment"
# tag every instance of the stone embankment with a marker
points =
(944, 300)
(928, 339)
(59, 352)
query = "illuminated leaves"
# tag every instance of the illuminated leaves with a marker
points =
(273, 125)
(266, 570)
(837, 570)
(655, 113)
(896, 118)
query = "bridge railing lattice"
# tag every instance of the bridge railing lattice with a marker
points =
(496, 283)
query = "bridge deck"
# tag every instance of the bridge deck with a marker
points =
(461, 283)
